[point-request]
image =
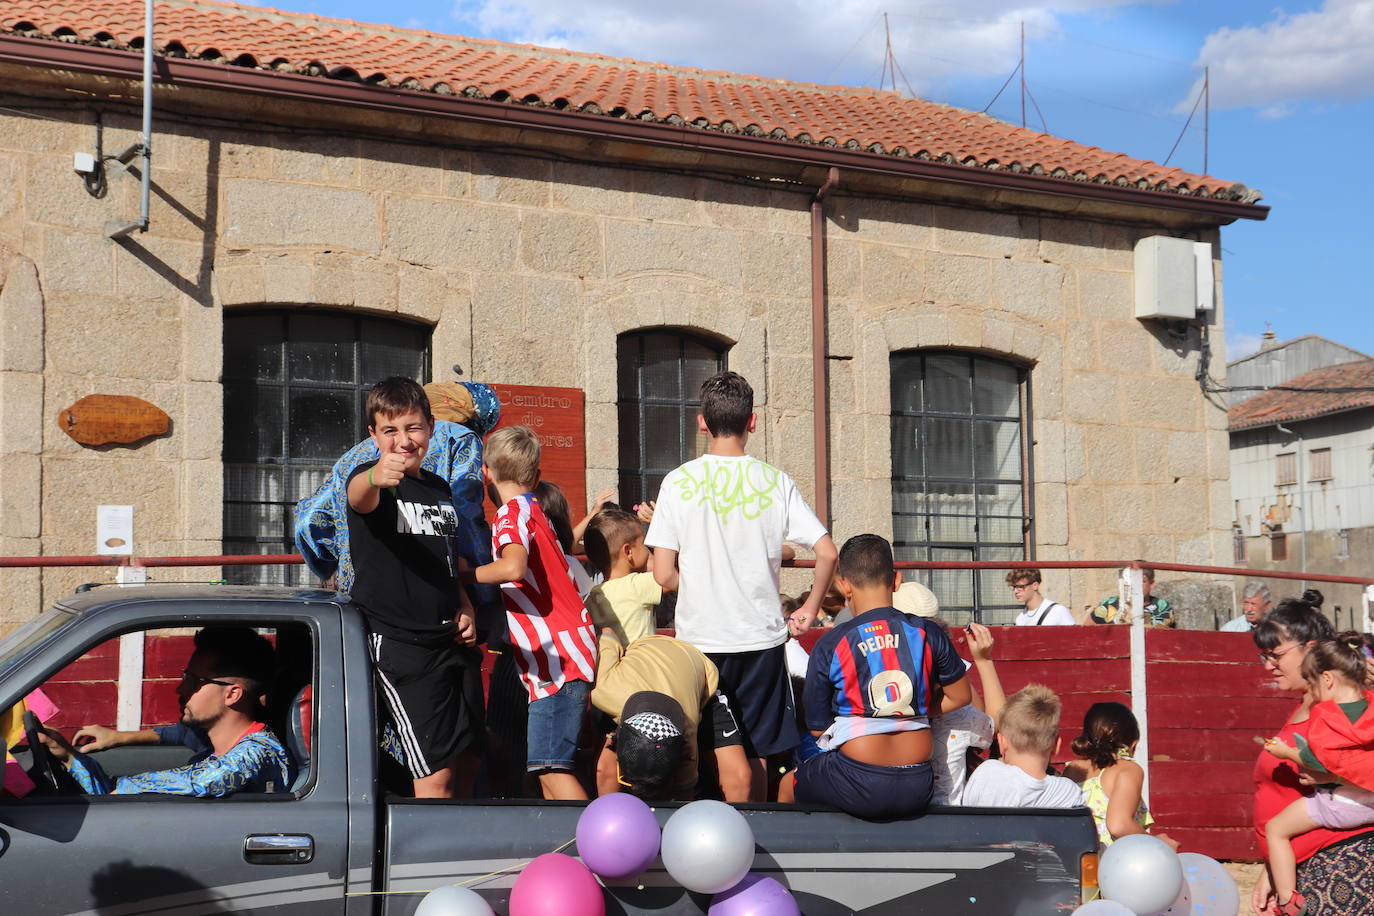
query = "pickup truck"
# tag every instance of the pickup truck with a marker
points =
(341, 843)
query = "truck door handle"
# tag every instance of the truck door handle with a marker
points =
(278, 849)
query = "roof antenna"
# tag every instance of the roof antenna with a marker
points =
(890, 64)
(1022, 67)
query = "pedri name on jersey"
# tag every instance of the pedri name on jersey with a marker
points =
(877, 643)
(426, 518)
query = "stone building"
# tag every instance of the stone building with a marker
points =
(935, 307)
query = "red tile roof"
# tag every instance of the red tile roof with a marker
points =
(1270, 407)
(884, 123)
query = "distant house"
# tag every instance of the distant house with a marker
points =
(1302, 477)
(935, 307)
(1276, 362)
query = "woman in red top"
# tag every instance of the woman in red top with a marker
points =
(1335, 867)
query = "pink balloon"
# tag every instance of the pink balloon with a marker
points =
(755, 895)
(556, 885)
(617, 835)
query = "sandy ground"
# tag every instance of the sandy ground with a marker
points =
(1245, 874)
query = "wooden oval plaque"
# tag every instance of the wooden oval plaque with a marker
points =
(105, 419)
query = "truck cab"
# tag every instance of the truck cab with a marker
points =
(338, 842)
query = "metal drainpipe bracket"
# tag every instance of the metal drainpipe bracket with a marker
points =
(115, 229)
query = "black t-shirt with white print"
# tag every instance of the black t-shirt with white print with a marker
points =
(403, 562)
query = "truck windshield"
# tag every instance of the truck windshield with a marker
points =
(17, 644)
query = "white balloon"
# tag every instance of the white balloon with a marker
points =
(1103, 908)
(1182, 905)
(452, 900)
(1141, 872)
(707, 846)
(1213, 890)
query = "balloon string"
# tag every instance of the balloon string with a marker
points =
(478, 880)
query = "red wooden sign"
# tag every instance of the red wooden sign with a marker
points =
(557, 415)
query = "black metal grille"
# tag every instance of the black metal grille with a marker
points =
(658, 379)
(294, 387)
(959, 486)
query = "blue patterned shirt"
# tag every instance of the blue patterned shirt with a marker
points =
(256, 763)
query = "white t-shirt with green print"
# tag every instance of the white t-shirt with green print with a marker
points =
(727, 518)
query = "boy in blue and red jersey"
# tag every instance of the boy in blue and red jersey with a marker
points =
(872, 685)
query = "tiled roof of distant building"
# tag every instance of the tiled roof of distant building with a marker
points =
(877, 122)
(1270, 407)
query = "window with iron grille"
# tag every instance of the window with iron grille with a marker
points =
(1319, 464)
(658, 378)
(1285, 468)
(294, 387)
(960, 487)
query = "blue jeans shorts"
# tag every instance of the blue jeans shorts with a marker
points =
(555, 722)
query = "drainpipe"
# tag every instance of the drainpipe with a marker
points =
(820, 381)
(143, 149)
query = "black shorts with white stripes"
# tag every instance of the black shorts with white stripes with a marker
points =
(434, 698)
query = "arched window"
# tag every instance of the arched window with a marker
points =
(659, 376)
(294, 386)
(960, 488)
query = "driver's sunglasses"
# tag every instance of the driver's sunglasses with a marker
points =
(197, 681)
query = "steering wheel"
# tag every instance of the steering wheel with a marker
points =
(45, 767)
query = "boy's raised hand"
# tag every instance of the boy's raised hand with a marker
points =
(389, 470)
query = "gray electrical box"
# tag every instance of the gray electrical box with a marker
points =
(1173, 278)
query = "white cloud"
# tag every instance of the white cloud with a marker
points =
(813, 40)
(1322, 55)
(1240, 344)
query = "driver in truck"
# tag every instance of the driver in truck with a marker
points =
(221, 692)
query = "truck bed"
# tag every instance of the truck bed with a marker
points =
(948, 861)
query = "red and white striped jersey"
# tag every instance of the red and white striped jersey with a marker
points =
(550, 629)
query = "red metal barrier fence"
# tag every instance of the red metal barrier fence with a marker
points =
(1209, 696)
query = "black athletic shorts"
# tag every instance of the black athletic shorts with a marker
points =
(864, 789)
(760, 696)
(719, 727)
(434, 698)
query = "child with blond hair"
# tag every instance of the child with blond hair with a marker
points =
(549, 629)
(1027, 736)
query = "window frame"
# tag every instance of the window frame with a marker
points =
(1319, 464)
(1025, 411)
(284, 385)
(1285, 469)
(643, 472)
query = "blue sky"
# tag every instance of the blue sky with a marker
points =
(1292, 99)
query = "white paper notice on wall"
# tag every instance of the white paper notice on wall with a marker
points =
(114, 530)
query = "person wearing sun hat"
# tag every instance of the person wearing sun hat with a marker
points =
(463, 412)
(914, 598)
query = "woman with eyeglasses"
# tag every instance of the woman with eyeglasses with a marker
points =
(1335, 867)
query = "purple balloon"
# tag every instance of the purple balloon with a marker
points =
(755, 895)
(617, 835)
